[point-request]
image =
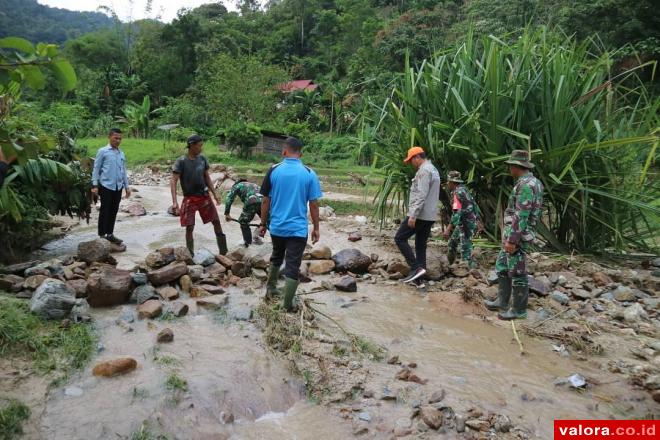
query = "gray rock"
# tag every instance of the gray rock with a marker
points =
(540, 286)
(203, 257)
(651, 303)
(652, 382)
(179, 309)
(94, 251)
(20, 268)
(560, 297)
(502, 423)
(260, 274)
(437, 396)
(181, 253)
(242, 313)
(634, 313)
(460, 423)
(53, 300)
(607, 296)
(158, 259)
(387, 394)
(582, 294)
(492, 277)
(639, 294)
(73, 391)
(195, 272)
(11, 282)
(260, 261)
(144, 293)
(346, 284)
(365, 416)
(139, 278)
(655, 262)
(351, 260)
(624, 293)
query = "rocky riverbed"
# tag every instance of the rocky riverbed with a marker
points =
(365, 355)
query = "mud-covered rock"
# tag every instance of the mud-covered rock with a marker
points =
(168, 274)
(94, 251)
(237, 254)
(150, 309)
(168, 293)
(181, 253)
(186, 283)
(34, 281)
(320, 267)
(165, 335)
(346, 284)
(431, 416)
(11, 282)
(135, 209)
(179, 309)
(398, 267)
(224, 260)
(108, 287)
(53, 300)
(241, 269)
(79, 286)
(321, 252)
(115, 367)
(351, 260)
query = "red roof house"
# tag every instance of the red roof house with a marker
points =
(294, 86)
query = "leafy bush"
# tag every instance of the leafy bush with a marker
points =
(70, 118)
(241, 137)
(593, 142)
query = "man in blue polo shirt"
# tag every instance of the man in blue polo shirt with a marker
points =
(287, 189)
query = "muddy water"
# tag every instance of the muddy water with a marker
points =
(228, 370)
(478, 363)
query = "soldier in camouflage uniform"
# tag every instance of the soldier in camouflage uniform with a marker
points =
(522, 214)
(464, 221)
(249, 195)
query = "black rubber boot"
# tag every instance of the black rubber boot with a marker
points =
(271, 284)
(190, 244)
(247, 234)
(451, 256)
(518, 309)
(289, 292)
(222, 243)
(503, 295)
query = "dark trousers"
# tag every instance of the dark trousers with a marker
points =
(421, 231)
(289, 249)
(109, 206)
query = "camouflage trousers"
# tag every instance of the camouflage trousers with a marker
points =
(248, 213)
(463, 235)
(514, 265)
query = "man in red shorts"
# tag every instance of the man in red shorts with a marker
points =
(192, 170)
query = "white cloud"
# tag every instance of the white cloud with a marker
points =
(165, 10)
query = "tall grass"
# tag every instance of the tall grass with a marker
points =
(593, 134)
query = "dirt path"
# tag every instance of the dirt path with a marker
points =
(457, 347)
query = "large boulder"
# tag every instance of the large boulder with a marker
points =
(34, 281)
(204, 257)
(18, 269)
(78, 286)
(53, 300)
(11, 282)
(351, 260)
(181, 253)
(260, 261)
(94, 251)
(237, 254)
(168, 274)
(108, 287)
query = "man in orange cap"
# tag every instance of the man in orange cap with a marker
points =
(422, 213)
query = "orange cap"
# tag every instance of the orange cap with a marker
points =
(414, 151)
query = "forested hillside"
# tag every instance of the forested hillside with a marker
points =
(35, 22)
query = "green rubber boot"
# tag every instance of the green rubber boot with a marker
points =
(222, 243)
(190, 244)
(289, 292)
(451, 256)
(503, 295)
(271, 285)
(518, 309)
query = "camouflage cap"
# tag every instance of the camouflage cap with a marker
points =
(520, 158)
(454, 176)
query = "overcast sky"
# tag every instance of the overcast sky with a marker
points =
(165, 10)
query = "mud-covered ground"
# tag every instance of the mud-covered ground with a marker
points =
(388, 360)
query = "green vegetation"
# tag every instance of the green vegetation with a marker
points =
(51, 348)
(594, 135)
(145, 433)
(342, 207)
(176, 385)
(12, 415)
